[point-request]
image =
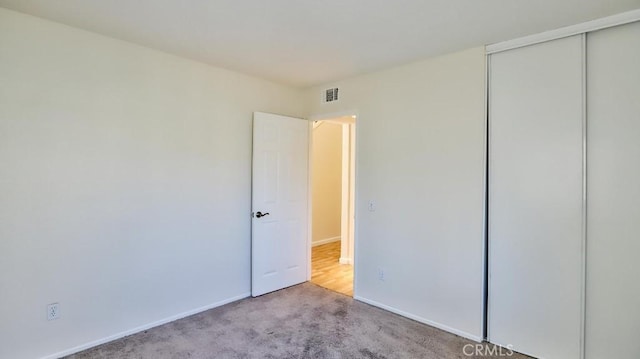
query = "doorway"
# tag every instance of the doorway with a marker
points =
(332, 203)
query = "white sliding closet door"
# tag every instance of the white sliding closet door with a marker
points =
(613, 201)
(535, 198)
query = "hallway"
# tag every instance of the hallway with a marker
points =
(327, 270)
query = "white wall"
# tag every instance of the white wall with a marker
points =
(420, 157)
(326, 182)
(124, 184)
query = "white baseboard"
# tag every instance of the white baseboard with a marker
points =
(344, 260)
(325, 241)
(463, 334)
(172, 318)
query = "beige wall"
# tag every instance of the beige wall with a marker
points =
(125, 184)
(420, 157)
(327, 182)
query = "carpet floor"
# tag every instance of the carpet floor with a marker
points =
(304, 321)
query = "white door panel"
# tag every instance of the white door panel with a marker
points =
(279, 252)
(535, 199)
(613, 193)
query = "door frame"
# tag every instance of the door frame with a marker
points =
(348, 199)
(352, 180)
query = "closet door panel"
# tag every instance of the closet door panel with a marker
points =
(613, 193)
(535, 198)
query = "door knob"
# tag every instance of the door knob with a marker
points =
(260, 214)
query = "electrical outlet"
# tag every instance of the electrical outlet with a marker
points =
(381, 274)
(372, 206)
(53, 311)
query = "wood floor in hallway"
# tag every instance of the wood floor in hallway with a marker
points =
(327, 270)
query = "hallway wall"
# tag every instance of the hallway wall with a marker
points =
(326, 182)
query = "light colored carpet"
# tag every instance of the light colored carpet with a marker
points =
(304, 321)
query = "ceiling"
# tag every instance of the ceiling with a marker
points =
(308, 42)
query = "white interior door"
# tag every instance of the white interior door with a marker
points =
(535, 199)
(613, 193)
(279, 231)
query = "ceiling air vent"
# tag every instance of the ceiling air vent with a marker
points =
(330, 95)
